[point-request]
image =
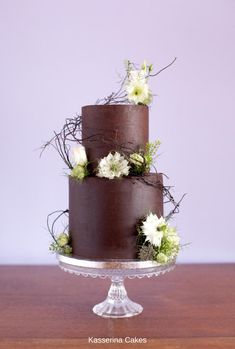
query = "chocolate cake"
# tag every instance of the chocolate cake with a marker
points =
(104, 213)
(115, 202)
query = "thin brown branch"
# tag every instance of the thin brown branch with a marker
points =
(161, 70)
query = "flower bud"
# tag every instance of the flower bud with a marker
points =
(136, 159)
(79, 156)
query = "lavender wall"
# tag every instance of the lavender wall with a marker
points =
(59, 55)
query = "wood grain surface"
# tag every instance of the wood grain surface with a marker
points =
(192, 307)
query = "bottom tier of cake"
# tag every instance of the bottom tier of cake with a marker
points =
(103, 214)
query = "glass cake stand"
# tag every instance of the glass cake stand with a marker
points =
(117, 304)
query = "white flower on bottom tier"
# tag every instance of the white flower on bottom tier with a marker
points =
(113, 165)
(152, 228)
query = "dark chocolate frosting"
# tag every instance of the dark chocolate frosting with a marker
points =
(103, 214)
(107, 128)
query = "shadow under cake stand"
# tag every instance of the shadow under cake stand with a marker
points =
(117, 304)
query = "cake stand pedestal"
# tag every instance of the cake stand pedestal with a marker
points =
(117, 304)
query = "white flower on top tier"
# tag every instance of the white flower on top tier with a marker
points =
(138, 92)
(79, 156)
(137, 75)
(137, 87)
(113, 165)
(79, 162)
(153, 228)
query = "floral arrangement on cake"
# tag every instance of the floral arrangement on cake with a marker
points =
(134, 86)
(156, 239)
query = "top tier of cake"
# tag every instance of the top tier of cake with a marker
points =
(107, 128)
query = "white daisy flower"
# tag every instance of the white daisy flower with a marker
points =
(151, 228)
(138, 92)
(113, 165)
(137, 88)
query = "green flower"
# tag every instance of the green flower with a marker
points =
(62, 240)
(170, 243)
(162, 258)
(61, 244)
(79, 172)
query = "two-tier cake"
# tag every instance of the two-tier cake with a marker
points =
(104, 213)
(115, 192)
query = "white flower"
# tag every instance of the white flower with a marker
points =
(136, 159)
(137, 88)
(137, 75)
(113, 165)
(138, 91)
(79, 156)
(152, 228)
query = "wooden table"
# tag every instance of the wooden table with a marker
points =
(192, 307)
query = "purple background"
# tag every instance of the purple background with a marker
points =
(59, 55)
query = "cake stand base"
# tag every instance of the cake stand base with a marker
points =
(117, 304)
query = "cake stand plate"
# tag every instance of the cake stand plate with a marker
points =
(117, 304)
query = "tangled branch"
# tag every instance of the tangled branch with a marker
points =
(51, 225)
(167, 195)
(61, 141)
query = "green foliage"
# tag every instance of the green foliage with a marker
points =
(140, 240)
(150, 153)
(61, 244)
(141, 162)
(169, 247)
(55, 248)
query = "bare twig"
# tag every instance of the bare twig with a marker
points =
(167, 66)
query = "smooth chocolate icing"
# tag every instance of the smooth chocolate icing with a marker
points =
(107, 128)
(103, 214)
